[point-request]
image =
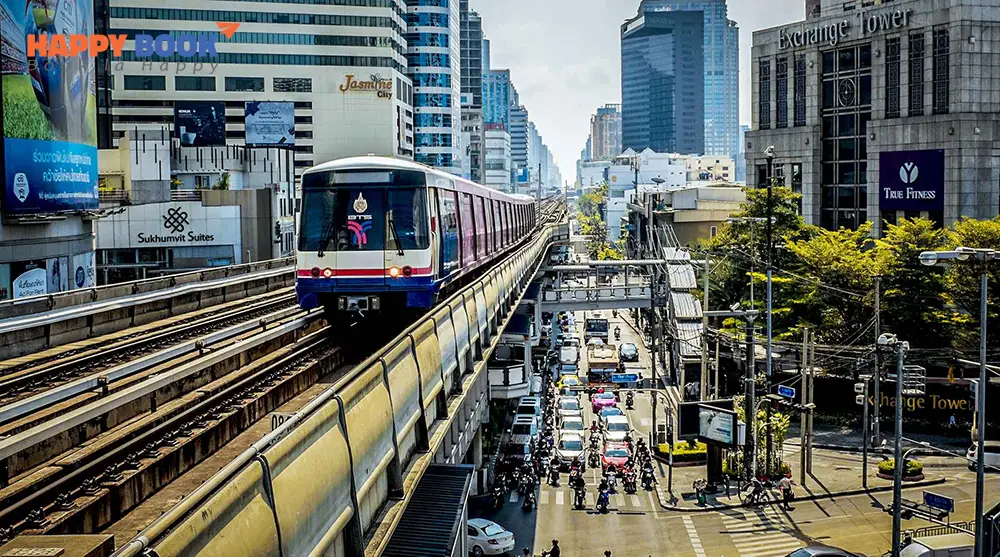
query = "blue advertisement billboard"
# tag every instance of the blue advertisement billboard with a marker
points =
(911, 180)
(49, 109)
(269, 123)
(200, 124)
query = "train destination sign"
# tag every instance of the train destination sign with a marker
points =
(833, 33)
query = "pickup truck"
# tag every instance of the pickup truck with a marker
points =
(948, 545)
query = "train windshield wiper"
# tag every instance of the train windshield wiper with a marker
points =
(395, 235)
(327, 237)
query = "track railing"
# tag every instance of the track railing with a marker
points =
(335, 478)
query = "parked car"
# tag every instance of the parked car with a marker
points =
(614, 453)
(628, 352)
(601, 400)
(616, 428)
(486, 537)
(821, 551)
(570, 447)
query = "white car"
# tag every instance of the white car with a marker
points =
(573, 424)
(486, 537)
(569, 407)
(616, 428)
(570, 447)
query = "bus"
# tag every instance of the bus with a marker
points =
(596, 326)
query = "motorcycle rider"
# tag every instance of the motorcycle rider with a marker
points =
(554, 552)
(629, 400)
(618, 332)
(554, 472)
(612, 476)
(529, 502)
(629, 481)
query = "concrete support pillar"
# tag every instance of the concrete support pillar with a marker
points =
(527, 359)
(476, 450)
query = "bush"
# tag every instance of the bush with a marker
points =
(913, 467)
(685, 452)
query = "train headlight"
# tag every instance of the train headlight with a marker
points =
(407, 270)
(394, 272)
(327, 273)
(315, 272)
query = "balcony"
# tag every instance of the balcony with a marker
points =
(118, 196)
(185, 195)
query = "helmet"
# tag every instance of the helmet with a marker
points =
(601, 390)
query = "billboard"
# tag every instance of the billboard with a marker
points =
(200, 124)
(49, 110)
(911, 181)
(269, 123)
(689, 416)
(717, 425)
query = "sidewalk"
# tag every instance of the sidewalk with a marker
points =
(849, 439)
(835, 474)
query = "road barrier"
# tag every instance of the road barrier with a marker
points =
(318, 483)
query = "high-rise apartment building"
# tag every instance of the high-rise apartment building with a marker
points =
(606, 132)
(496, 97)
(663, 100)
(472, 92)
(434, 57)
(721, 38)
(497, 154)
(519, 140)
(344, 68)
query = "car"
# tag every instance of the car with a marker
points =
(569, 381)
(568, 406)
(517, 452)
(616, 428)
(570, 447)
(486, 537)
(601, 400)
(628, 352)
(821, 551)
(529, 406)
(991, 456)
(614, 453)
(594, 341)
(524, 429)
(609, 411)
(573, 424)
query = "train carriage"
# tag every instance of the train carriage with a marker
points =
(380, 235)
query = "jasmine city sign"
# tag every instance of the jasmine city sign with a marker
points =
(833, 33)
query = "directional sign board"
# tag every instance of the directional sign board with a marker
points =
(785, 391)
(624, 377)
(936, 501)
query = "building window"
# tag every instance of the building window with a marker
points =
(892, 77)
(764, 94)
(800, 90)
(145, 83)
(245, 84)
(713, 231)
(781, 75)
(292, 85)
(779, 175)
(194, 83)
(916, 74)
(941, 61)
(797, 184)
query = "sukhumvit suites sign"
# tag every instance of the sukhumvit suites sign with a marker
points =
(866, 23)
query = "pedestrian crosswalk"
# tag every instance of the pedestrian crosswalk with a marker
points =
(760, 533)
(642, 500)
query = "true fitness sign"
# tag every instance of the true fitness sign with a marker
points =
(911, 181)
(188, 45)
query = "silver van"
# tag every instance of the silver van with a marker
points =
(991, 457)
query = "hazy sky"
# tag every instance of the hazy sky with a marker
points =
(564, 58)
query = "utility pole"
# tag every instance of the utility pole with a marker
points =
(812, 391)
(804, 398)
(864, 440)
(749, 410)
(704, 336)
(981, 413)
(767, 233)
(897, 484)
(717, 393)
(875, 437)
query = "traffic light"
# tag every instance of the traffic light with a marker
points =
(782, 404)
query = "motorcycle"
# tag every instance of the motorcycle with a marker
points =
(618, 333)
(629, 401)
(554, 477)
(647, 479)
(603, 499)
(594, 460)
(498, 497)
(526, 486)
(629, 482)
(528, 503)
(580, 497)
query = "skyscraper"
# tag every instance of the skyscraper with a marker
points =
(519, 139)
(434, 57)
(606, 132)
(472, 92)
(663, 100)
(496, 97)
(721, 73)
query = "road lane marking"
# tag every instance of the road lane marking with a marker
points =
(693, 536)
(560, 498)
(543, 498)
(759, 534)
(620, 500)
(513, 497)
(635, 501)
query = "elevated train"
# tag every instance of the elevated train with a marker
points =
(388, 236)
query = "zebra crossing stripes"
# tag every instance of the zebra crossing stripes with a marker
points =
(564, 497)
(699, 550)
(760, 534)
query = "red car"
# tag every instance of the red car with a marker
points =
(602, 400)
(614, 453)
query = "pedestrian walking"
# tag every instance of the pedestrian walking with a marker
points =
(952, 423)
(785, 485)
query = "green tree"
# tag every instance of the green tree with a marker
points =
(914, 297)
(223, 183)
(963, 281)
(834, 291)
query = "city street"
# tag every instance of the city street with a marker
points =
(639, 525)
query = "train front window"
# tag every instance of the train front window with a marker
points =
(363, 211)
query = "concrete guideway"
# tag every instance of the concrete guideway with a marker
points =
(324, 475)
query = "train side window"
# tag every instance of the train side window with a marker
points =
(487, 226)
(449, 228)
(477, 211)
(468, 230)
(497, 226)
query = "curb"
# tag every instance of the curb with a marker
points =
(920, 451)
(814, 497)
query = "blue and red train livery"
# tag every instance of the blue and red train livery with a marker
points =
(379, 234)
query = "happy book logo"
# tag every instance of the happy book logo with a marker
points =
(186, 45)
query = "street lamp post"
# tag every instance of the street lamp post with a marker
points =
(897, 484)
(749, 407)
(931, 258)
(769, 152)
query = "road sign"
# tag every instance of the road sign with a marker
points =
(624, 377)
(936, 501)
(786, 391)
